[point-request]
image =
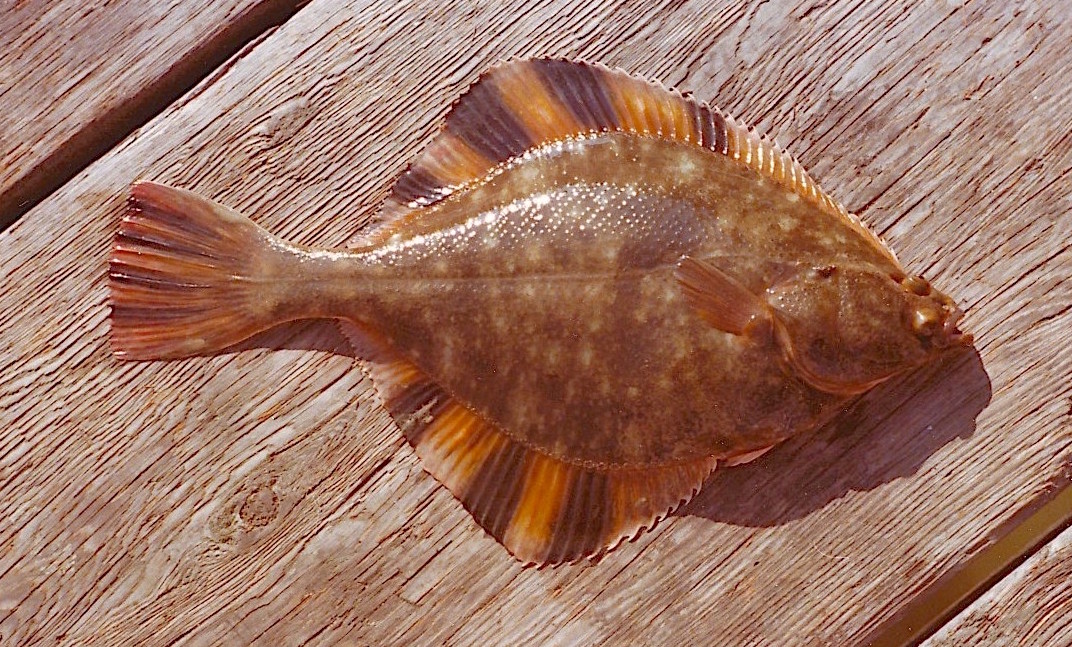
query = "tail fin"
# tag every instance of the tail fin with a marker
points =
(187, 276)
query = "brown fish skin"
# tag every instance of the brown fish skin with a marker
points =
(575, 313)
(587, 348)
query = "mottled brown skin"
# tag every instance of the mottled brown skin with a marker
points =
(546, 299)
(589, 291)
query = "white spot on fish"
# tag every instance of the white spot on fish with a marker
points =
(586, 355)
(554, 354)
(686, 166)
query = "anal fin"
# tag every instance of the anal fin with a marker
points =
(542, 509)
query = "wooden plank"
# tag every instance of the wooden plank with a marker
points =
(1031, 606)
(77, 77)
(263, 496)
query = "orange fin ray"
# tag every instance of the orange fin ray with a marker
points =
(747, 457)
(180, 275)
(542, 509)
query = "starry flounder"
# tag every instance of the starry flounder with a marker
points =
(587, 292)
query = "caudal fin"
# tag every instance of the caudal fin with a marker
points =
(187, 276)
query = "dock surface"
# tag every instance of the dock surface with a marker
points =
(263, 496)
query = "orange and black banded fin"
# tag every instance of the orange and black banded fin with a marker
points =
(719, 298)
(521, 105)
(542, 509)
(183, 275)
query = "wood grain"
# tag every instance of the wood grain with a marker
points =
(263, 496)
(76, 77)
(1031, 606)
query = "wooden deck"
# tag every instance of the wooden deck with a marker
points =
(263, 497)
(74, 79)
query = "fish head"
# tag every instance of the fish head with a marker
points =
(844, 329)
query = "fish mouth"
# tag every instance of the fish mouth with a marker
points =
(954, 335)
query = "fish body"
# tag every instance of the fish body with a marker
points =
(587, 292)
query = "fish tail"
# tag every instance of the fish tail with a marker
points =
(188, 276)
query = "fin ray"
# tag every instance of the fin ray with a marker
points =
(719, 298)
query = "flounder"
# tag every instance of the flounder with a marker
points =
(588, 292)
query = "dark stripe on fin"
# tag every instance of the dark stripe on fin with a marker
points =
(415, 185)
(580, 90)
(542, 509)
(525, 104)
(713, 127)
(583, 513)
(483, 121)
(495, 490)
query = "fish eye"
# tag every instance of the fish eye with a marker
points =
(926, 321)
(917, 285)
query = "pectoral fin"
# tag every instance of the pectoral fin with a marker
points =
(721, 299)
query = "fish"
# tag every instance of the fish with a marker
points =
(586, 294)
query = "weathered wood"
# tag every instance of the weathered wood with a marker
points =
(1031, 606)
(76, 77)
(264, 496)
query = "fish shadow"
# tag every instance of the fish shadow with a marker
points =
(884, 435)
(321, 335)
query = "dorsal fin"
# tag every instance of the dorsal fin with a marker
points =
(524, 104)
(542, 509)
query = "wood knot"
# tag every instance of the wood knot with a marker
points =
(260, 506)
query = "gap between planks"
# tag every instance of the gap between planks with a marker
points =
(937, 606)
(93, 139)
